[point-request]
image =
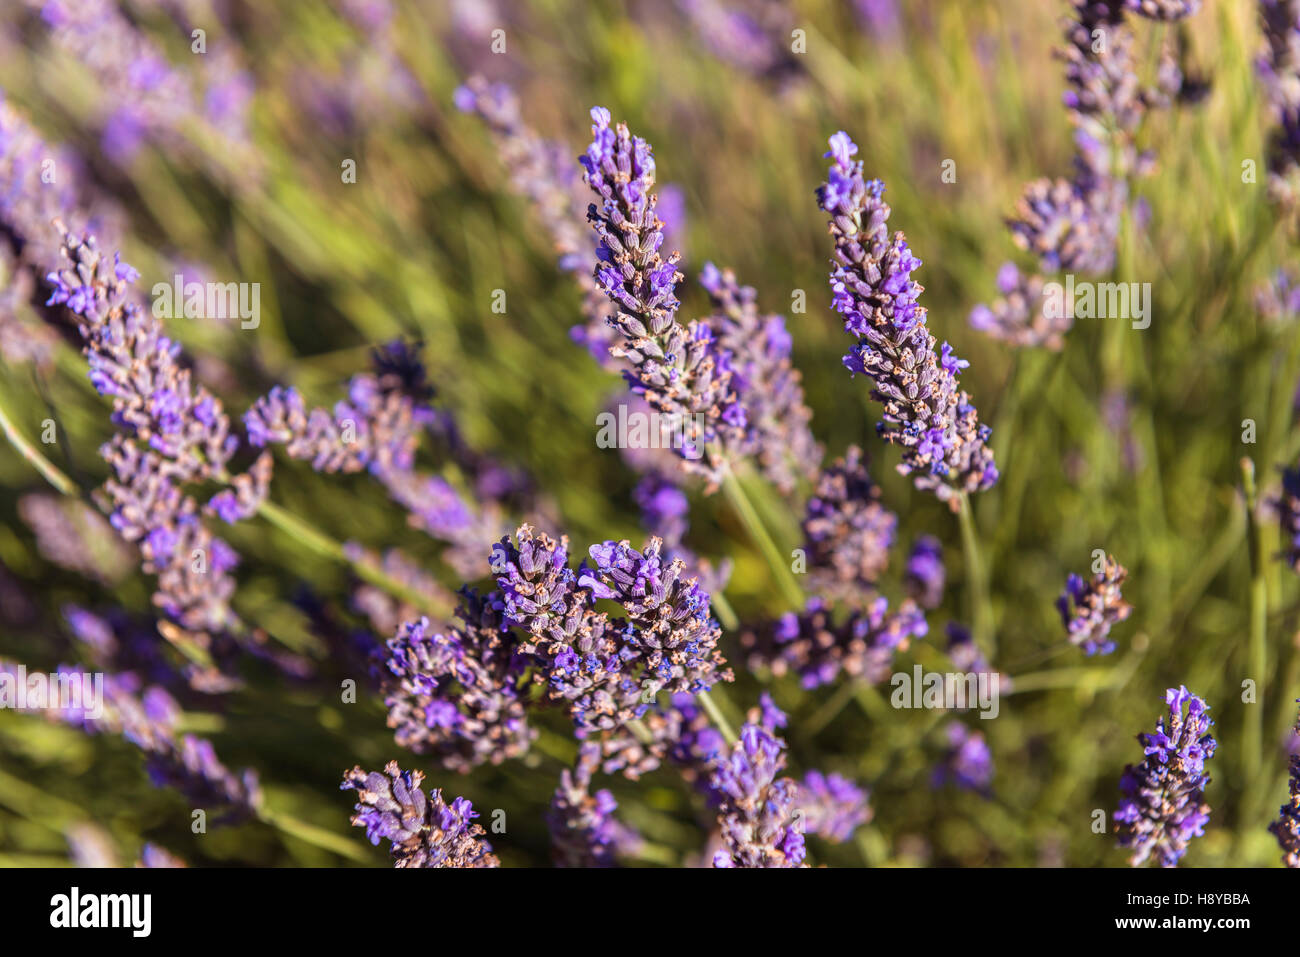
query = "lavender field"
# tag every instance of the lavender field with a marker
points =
(708, 433)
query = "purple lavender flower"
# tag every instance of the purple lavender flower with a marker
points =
(679, 370)
(454, 693)
(74, 536)
(943, 443)
(833, 806)
(584, 831)
(152, 855)
(847, 532)
(377, 428)
(543, 172)
(753, 37)
(422, 831)
(675, 633)
(664, 509)
(812, 646)
(609, 672)
(923, 575)
(967, 761)
(1018, 315)
(1287, 826)
(1278, 299)
(1163, 9)
(1287, 507)
(678, 730)
(1073, 224)
(882, 19)
(140, 97)
(1279, 72)
(758, 349)
(1089, 609)
(183, 763)
(1164, 806)
(757, 810)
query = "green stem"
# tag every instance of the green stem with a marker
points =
(717, 717)
(1252, 736)
(49, 471)
(330, 548)
(316, 836)
(977, 587)
(790, 589)
(726, 614)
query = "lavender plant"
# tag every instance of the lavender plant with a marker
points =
(944, 444)
(1164, 805)
(1287, 826)
(1089, 609)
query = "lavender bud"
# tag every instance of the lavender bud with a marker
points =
(422, 831)
(584, 831)
(1089, 609)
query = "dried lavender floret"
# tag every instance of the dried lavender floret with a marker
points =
(814, 647)
(1164, 805)
(584, 831)
(1089, 609)
(944, 445)
(422, 831)
(1287, 826)
(1018, 315)
(847, 532)
(757, 809)
(833, 806)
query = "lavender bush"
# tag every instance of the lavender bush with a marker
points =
(305, 469)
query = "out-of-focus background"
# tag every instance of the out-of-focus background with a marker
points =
(1129, 441)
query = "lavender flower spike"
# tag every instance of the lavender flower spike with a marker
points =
(1287, 826)
(584, 831)
(944, 445)
(1279, 74)
(679, 370)
(1164, 797)
(1089, 609)
(423, 831)
(757, 809)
